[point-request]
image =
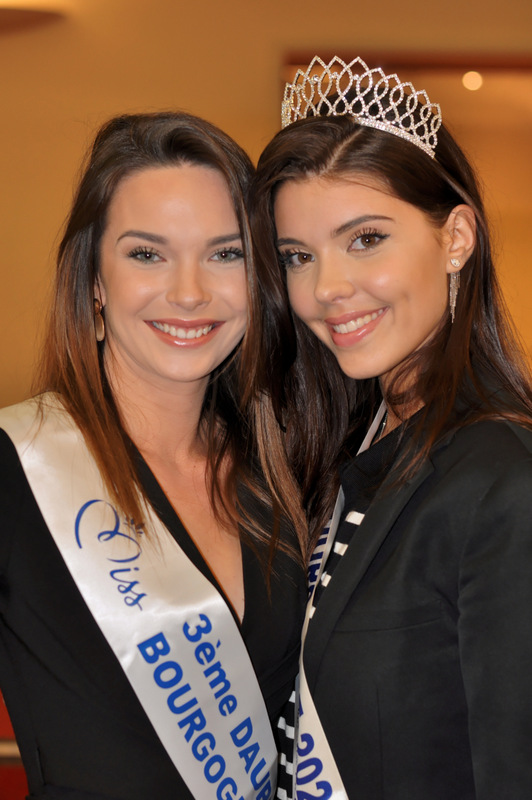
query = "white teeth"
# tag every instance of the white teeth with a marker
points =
(183, 333)
(355, 324)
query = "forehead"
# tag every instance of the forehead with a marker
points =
(171, 177)
(330, 191)
(322, 184)
(324, 205)
(171, 192)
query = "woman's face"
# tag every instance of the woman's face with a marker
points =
(172, 276)
(366, 272)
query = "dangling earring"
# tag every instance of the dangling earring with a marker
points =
(454, 285)
(99, 324)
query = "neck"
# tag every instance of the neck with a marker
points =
(161, 419)
(389, 423)
(397, 414)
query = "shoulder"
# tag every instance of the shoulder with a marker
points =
(480, 467)
(9, 460)
(481, 473)
(20, 421)
(12, 477)
(15, 495)
(18, 425)
(36, 422)
(489, 446)
(13, 421)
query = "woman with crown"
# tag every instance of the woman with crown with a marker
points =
(150, 602)
(401, 391)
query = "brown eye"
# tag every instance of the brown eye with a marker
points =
(296, 259)
(367, 240)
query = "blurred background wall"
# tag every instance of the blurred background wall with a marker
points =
(60, 78)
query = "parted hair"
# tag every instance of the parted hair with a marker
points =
(469, 370)
(72, 361)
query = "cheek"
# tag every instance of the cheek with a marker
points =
(129, 290)
(235, 293)
(299, 295)
(434, 290)
(421, 283)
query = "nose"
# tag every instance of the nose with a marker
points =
(334, 280)
(187, 287)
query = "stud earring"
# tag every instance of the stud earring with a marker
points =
(454, 285)
(99, 324)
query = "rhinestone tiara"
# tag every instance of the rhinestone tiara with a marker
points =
(368, 95)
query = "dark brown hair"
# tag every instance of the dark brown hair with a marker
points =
(469, 370)
(72, 361)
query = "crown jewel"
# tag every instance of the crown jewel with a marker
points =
(368, 95)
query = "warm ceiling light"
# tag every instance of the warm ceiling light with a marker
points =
(35, 6)
(472, 81)
(25, 13)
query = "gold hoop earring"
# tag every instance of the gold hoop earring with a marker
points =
(99, 324)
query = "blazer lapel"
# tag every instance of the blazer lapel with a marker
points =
(366, 542)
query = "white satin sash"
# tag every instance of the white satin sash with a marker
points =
(315, 772)
(169, 628)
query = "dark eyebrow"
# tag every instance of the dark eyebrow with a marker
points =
(353, 223)
(281, 242)
(231, 237)
(150, 237)
(156, 239)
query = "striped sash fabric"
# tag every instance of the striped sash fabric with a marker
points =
(360, 479)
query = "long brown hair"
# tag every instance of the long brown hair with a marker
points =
(72, 361)
(469, 370)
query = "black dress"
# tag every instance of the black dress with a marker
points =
(82, 732)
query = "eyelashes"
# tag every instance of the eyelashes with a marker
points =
(291, 259)
(149, 255)
(365, 240)
(145, 254)
(227, 255)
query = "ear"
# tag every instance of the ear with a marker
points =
(461, 230)
(99, 292)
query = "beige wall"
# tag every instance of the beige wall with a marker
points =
(217, 59)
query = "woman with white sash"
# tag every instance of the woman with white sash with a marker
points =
(150, 598)
(416, 674)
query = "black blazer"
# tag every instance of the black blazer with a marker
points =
(419, 654)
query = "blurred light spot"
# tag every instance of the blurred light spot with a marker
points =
(472, 81)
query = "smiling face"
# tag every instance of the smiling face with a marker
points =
(172, 276)
(366, 271)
